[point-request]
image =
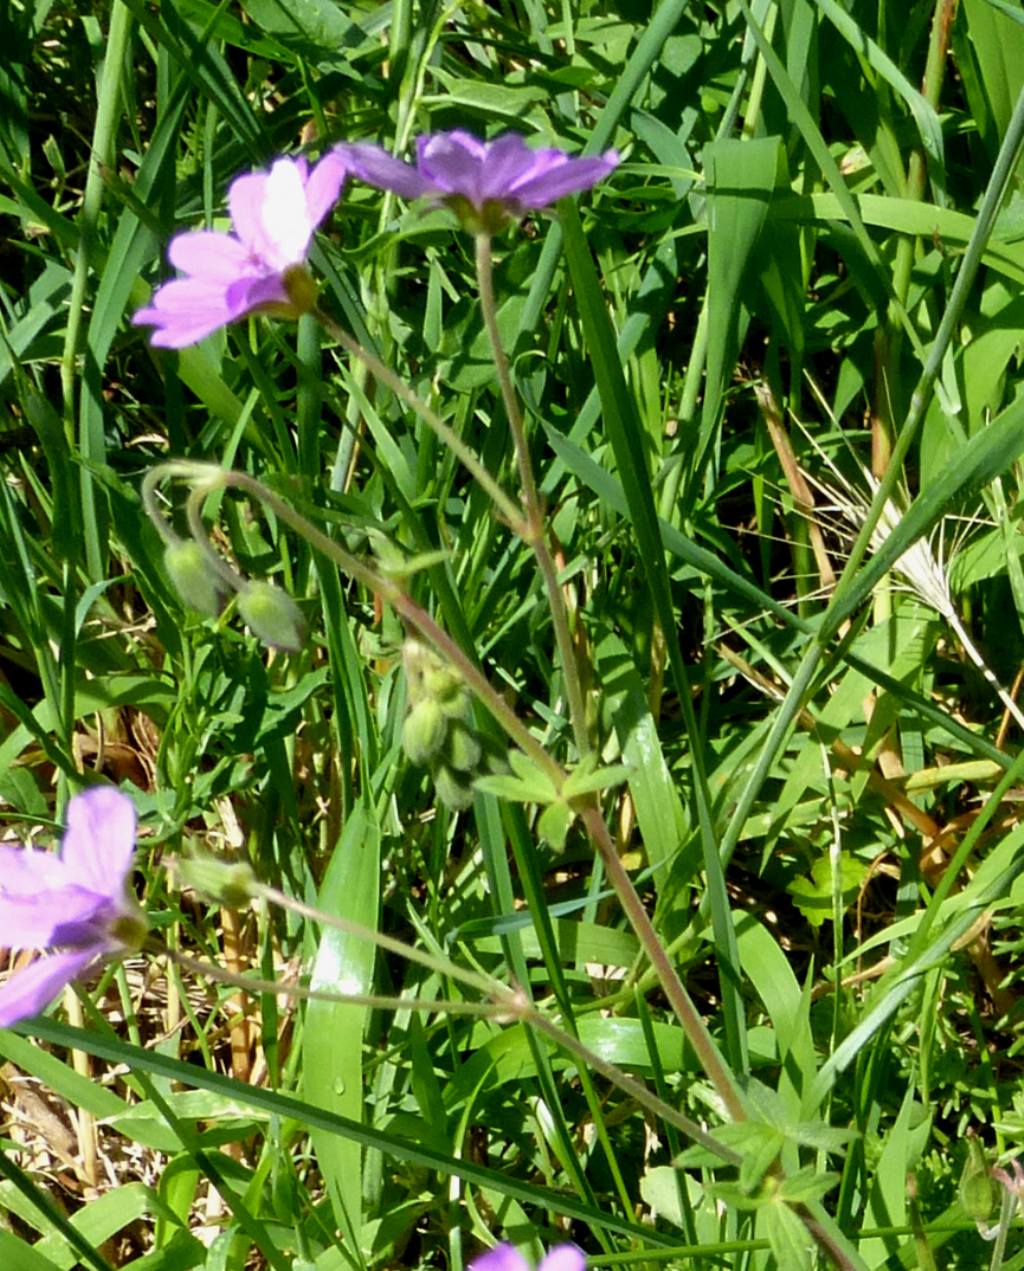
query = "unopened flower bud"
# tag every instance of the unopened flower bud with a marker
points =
(979, 1192)
(423, 731)
(192, 578)
(463, 751)
(223, 883)
(272, 616)
(451, 789)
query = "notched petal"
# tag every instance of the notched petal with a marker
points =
(33, 988)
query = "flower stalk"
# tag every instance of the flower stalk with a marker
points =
(415, 616)
(504, 1004)
(535, 535)
(447, 435)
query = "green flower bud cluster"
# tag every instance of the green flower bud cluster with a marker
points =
(438, 731)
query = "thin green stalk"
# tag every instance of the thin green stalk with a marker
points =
(256, 984)
(697, 1034)
(890, 335)
(108, 114)
(629, 1085)
(411, 612)
(102, 155)
(477, 683)
(194, 513)
(435, 962)
(384, 375)
(1008, 1204)
(504, 1003)
(207, 474)
(536, 536)
(391, 594)
(917, 171)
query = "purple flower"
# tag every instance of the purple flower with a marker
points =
(506, 1257)
(486, 183)
(77, 902)
(258, 267)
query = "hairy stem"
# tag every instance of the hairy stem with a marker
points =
(255, 984)
(535, 535)
(417, 618)
(466, 456)
(504, 1003)
(697, 1034)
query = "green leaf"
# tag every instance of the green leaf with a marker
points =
(531, 784)
(553, 824)
(16, 1255)
(313, 1118)
(332, 1044)
(998, 44)
(741, 179)
(313, 28)
(789, 1238)
(659, 809)
(588, 780)
(660, 1188)
(813, 895)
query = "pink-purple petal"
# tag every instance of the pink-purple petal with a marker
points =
(376, 167)
(183, 296)
(285, 228)
(323, 187)
(503, 1257)
(99, 841)
(181, 334)
(468, 142)
(510, 162)
(184, 312)
(246, 195)
(26, 872)
(67, 915)
(504, 171)
(248, 294)
(563, 1258)
(568, 178)
(451, 166)
(33, 988)
(211, 255)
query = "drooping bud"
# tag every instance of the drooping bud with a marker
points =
(232, 885)
(193, 579)
(272, 616)
(424, 731)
